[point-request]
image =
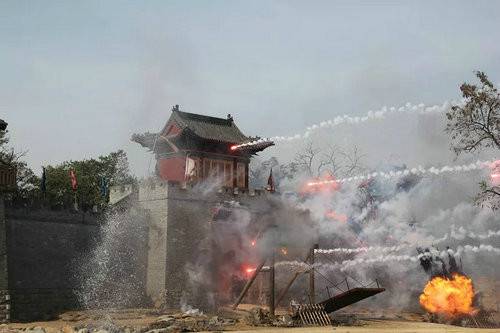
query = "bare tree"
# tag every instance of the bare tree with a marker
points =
(305, 159)
(334, 160)
(475, 125)
(312, 161)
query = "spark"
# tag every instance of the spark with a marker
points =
(264, 141)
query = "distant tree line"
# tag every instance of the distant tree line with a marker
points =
(54, 190)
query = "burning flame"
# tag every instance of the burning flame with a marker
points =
(253, 242)
(495, 173)
(324, 184)
(248, 270)
(335, 216)
(448, 296)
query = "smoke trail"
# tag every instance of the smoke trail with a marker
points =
(459, 234)
(419, 170)
(476, 249)
(346, 264)
(347, 119)
(361, 249)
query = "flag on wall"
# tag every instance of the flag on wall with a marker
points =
(270, 182)
(103, 186)
(43, 183)
(72, 176)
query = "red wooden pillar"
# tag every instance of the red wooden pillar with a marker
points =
(235, 172)
(246, 174)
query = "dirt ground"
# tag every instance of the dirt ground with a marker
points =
(376, 326)
(138, 320)
(379, 326)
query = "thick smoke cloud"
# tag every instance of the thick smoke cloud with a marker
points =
(380, 239)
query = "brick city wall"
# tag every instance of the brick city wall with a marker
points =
(4, 306)
(42, 250)
(48, 259)
(4, 293)
(29, 304)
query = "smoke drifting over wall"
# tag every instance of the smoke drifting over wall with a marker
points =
(386, 222)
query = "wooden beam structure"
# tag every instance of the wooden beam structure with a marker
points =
(271, 283)
(312, 291)
(282, 294)
(249, 283)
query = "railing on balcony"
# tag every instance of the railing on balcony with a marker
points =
(7, 178)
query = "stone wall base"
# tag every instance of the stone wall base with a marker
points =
(4, 306)
(39, 304)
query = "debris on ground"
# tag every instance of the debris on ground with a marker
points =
(258, 316)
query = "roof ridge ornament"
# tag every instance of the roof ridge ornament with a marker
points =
(175, 108)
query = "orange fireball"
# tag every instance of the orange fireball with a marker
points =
(448, 296)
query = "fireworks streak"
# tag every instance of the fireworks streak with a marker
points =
(346, 264)
(476, 249)
(361, 249)
(264, 142)
(461, 233)
(420, 170)
(346, 119)
(458, 234)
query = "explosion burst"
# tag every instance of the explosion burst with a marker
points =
(449, 296)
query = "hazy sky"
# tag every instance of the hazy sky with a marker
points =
(78, 78)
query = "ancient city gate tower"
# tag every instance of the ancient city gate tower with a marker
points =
(191, 149)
